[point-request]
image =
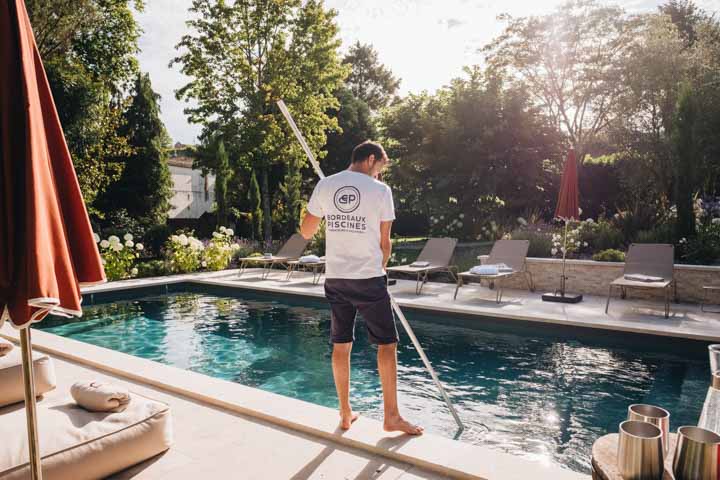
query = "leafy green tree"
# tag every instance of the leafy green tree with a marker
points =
(569, 61)
(684, 138)
(369, 80)
(89, 51)
(470, 149)
(241, 58)
(145, 187)
(222, 175)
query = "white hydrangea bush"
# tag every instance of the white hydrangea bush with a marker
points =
(118, 257)
(220, 249)
(184, 253)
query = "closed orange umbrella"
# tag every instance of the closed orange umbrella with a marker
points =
(47, 250)
(568, 209)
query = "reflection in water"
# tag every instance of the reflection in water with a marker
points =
(542, 396)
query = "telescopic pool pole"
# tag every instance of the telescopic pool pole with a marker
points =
(395, 306)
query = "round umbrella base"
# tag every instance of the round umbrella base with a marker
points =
(562, 298)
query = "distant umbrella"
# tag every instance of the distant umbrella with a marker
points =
(568, 206)
(47, 250)
(568, 209)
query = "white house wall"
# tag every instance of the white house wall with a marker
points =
(190, 197)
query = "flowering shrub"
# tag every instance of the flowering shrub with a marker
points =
(119, 258)
(573, 244)
(219, 251)
(446, 224)
(184, 253)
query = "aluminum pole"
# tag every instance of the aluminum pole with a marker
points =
(396, 307)
(30, 405)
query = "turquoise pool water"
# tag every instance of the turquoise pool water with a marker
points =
(532, 391)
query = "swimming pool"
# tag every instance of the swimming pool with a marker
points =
(531, 390)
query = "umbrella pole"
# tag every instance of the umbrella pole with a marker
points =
(30, 406)
(562, 279)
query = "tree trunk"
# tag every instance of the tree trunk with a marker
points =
(267, 213)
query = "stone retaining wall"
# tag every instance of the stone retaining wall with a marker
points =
(593, 278)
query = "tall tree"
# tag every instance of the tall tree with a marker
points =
(244, 56)
(222, 175)
(356, 126)
(570, 63)
(256, 213)
(89, 50)
(144, 189)
(686, 16)
(684, 137)
(369, 80)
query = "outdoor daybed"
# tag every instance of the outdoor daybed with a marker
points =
(76, 444)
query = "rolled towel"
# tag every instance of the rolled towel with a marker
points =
(638, 277)
(5, 347)
(491, 269)
(100, 397)
(309, 259)
(484, 270)
(420, 264)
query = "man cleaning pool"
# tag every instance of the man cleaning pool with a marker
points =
(358, 212)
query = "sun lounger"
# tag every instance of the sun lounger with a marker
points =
(76, 444)
(291, 250)
(509, 257)
(647, 266)
(11, 376)
(310, 262)
(435, 256)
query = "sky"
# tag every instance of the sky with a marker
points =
(426, 43)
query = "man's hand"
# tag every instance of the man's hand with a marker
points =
(309, 225)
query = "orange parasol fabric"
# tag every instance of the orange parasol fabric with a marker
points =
(568, 206)
(47, 250)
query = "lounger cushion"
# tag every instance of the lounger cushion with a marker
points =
(11, 376)
(76, 444)
(624, 282)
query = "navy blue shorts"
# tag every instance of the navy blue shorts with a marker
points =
(370, 297)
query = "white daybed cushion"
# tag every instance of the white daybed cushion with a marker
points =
(11, 376)
(79, 445)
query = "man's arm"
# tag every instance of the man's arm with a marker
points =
(309, 225)
(385, 242)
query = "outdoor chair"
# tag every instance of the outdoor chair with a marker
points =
(647, 266)
(435, 256)
(512, 253)
(291, 250)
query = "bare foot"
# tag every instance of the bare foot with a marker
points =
(399, 424)
(347, 419)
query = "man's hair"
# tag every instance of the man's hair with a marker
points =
(362, 151)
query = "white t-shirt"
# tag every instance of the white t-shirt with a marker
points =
(353, 205)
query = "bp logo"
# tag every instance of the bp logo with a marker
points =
(347, 199)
